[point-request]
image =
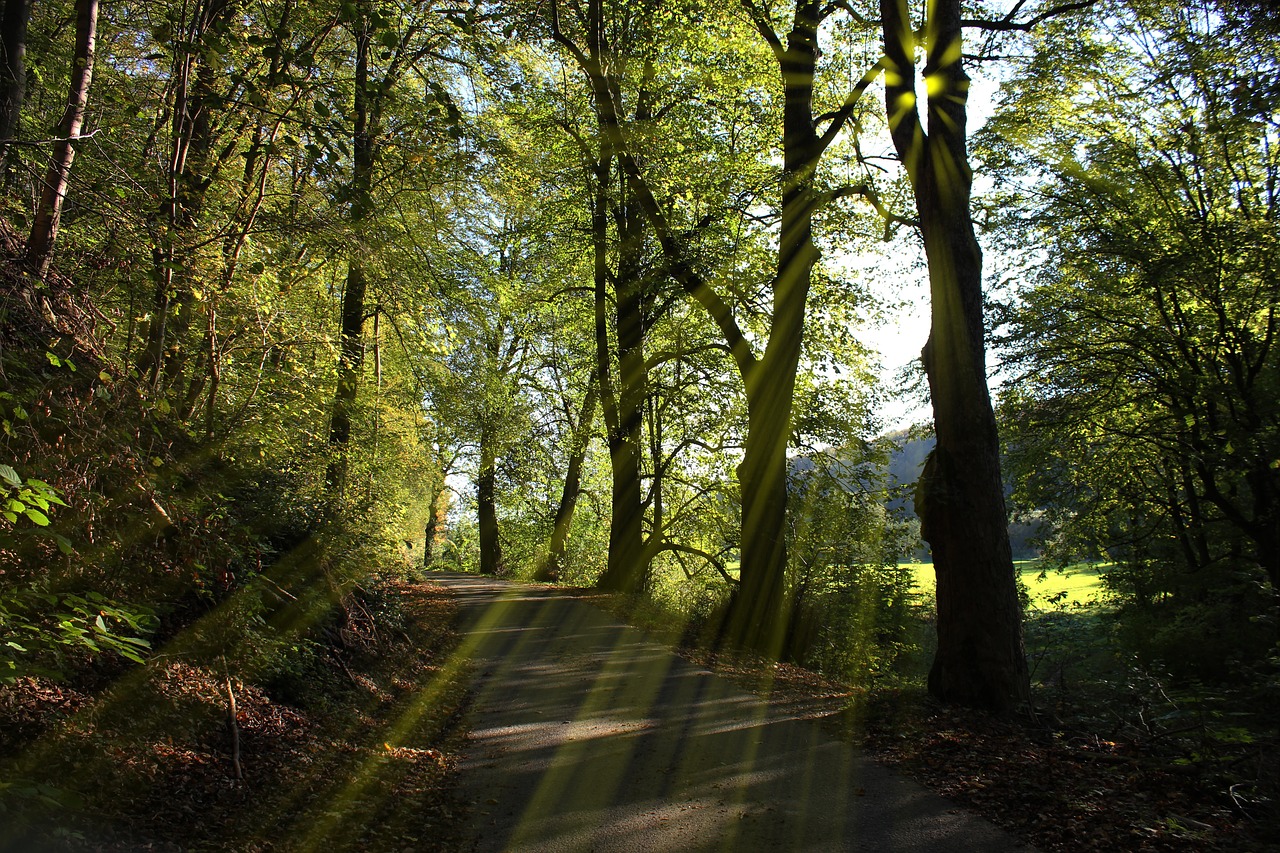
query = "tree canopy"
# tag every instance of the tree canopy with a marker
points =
(576, 290)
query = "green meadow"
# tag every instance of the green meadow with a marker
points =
(1080, 583)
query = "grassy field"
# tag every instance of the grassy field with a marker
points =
(1078, 584)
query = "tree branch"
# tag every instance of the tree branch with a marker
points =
(848, 9)
(842, 115)
(36, 143)
(765, 26)
(698, 552)
(1007, 24)
(866, 191)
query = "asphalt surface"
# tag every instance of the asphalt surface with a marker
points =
(587, 736)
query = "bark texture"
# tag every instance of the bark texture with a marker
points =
(980, 660)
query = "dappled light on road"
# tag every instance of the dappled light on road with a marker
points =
(586, 735)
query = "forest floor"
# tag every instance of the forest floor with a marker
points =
(355, 750)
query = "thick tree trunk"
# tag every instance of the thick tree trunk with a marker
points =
(980, 659)
(351, 354)
(44, 230)
(759, 610)
(556, 550)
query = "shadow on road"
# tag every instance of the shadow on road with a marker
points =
(588, 736)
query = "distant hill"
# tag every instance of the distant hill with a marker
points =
(905, 464)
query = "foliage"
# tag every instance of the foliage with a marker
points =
(1144, 419)
(40, 628)
(851, 595)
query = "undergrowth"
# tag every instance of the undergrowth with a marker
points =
(348, 746)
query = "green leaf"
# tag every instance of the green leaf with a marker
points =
(38, 517)
(10, 476)
(64, 544)
(53, 359)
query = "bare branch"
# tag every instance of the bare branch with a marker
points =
(857, 16)
(36, 143)
(698, 552)
(868, 192)
(1007, 24)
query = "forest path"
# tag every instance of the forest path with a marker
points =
(588, 736)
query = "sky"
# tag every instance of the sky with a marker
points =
(898, 279)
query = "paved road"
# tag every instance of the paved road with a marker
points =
(586, 736)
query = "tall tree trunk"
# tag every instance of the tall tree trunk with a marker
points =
(622, 402)
(626, 569)
(558, 546)
(486, 500)
(351, 356)
(44, 230)
(758, 612)
(13, 73)
(980, 660)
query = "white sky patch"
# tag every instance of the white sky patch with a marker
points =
(897, 275)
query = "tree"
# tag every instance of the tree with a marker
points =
(960, 500)
(401, 45)
(48, 214)
(757, 614)
(366, 111)
(562, 521)
(14, 18)
(1145, 337)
